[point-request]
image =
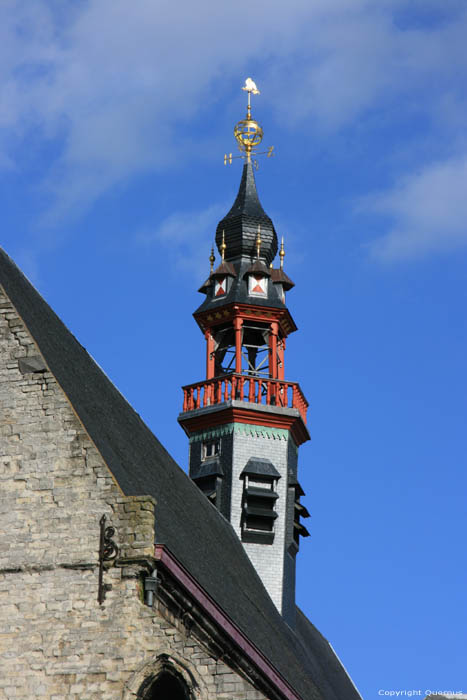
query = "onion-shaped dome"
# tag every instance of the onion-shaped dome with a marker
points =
(240, 225)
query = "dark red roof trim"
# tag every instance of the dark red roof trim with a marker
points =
(168, 560)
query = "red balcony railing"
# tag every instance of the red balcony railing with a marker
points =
(259, 390)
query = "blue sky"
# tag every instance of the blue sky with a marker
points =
(114, 118)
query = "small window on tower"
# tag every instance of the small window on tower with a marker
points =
(257, 285)
(220, 287)
(211, 448)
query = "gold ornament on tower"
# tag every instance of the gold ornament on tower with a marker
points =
(223, 246)
(282, 253)
(258, 242)
(248, 133)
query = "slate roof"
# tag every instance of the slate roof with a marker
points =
(240, 225)
(240, 228)
(278, 275)
(238, 292)
(224, 268)
(260, 267)
(194, 531)
(261, 467)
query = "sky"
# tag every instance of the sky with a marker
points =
(114, 119)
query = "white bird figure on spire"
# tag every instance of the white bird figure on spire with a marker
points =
(250, 86)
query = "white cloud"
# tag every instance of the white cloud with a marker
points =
(428, 210)
(115, 84)
(187, 237)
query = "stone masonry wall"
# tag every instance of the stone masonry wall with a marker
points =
(56, 641)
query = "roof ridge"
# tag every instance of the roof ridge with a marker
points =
(199, 538)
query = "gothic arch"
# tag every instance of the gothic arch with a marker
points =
(166, 677)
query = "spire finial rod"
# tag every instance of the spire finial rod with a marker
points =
(250, 87)
(282, 253)
(212, 259)
(258, 242)
(248, 133)
(223, 246)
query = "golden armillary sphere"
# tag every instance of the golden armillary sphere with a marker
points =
(248, 132)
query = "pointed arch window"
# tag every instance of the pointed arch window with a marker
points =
(167, 686)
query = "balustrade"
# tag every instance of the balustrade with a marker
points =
(242, 387)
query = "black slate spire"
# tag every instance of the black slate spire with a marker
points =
(241, 223)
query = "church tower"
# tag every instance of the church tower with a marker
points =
(244, 420)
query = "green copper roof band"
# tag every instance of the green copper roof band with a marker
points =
(244, 429)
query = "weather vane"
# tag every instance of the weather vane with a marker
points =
(248, 133)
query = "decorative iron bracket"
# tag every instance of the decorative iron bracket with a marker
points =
(108, 551)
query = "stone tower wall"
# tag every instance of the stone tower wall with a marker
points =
(56, 641)
(275, 563)
(268, 559)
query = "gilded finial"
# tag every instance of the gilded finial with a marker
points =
(258, 242)
(212, 259)
(282, 253)
(223, 246)
(248, 132)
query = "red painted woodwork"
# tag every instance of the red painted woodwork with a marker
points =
(210, 364)
(210, 319)
(254, 397)
(238, 323)
(259, 390)
(273, 349)
(256, 414)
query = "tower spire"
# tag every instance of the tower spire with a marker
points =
(241, 222)
(243, 399)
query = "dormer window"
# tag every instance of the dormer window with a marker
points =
(220, 287)
(258, 275)
(222, 278)
(257, 285)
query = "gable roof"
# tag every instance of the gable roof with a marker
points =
(197, 535)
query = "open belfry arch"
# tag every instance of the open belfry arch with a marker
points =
(122, 577)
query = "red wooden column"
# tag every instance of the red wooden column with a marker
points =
(209, 355)
(238, 323)
(273, 349)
